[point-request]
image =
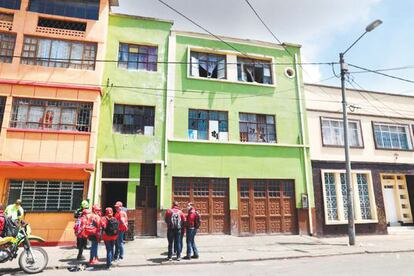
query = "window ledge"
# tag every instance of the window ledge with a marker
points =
(138, 70)
(48, 131)
(239, 143)
(234, 82)
(343, 222)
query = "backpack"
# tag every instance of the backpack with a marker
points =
(197, 221)
(10, 229)
(91, 229)
(112, 228)
(175, 220)
(78, 227)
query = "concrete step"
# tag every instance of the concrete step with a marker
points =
(401, 230)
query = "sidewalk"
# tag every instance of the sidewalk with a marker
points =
(214, 249)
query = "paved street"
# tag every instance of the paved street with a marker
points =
(368, 264)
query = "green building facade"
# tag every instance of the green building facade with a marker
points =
(219, 123)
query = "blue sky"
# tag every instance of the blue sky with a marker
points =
(322, 27)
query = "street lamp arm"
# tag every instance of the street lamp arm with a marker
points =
(356, 41)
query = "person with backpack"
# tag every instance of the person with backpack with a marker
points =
(193, 223)
(15, 211)
(110, 231)
(84, 205)
(93, 231)
(79, 230)
(6, 234)
(175, 219)
(122, 218)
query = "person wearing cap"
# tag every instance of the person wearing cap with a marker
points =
(81, 238)
(109, 238)
(174, 230)
(94, 220)
(84, 205)
(192, 224)
(15, 211)
(122, 218)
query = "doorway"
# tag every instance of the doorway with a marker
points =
(113, 192)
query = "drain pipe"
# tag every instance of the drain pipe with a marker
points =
(304, 148)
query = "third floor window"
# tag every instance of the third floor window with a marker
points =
(87, 9)
(206, 65)
(254, 70)
(138, 57)
(333, 132)
(58, 53)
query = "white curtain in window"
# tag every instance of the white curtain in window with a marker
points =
(21, 116)
(76, 54)
(194, 67)
(68, 119)
(221, 69)
(35, 117)
(43, 50)
(60, 52)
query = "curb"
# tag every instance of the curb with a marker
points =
(183, 262)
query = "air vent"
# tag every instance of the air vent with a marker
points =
(61, 27)
(6, 21)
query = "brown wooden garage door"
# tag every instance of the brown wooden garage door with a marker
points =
(267, 206)
(210, 196)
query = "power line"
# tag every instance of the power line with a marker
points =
(201, 27)
(385, 69)
(382, 74)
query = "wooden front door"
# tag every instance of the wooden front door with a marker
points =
(145, 213)
(210, 197)
(267, 207)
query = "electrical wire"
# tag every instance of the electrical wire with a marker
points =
(382, 74)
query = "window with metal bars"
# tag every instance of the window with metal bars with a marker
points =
(7, 43)
(2, 106)
(129, 119)
(257, 128)
(10, 4)
(51, 115)
(61, 24)
(138, 57)
(46, 195)
(58, 53)
(88, 9)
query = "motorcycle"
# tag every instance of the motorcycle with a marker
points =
(33, 259)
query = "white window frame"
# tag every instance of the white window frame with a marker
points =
(359, 129)
(407, 133)
(340, 207)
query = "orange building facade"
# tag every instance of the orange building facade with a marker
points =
(50, 96)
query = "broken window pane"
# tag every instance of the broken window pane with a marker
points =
(138, 57)
(257, 128)
(254, 70)
(208, 65)
(130, 119)
(207, 125)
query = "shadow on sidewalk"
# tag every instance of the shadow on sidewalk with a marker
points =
(157, 260)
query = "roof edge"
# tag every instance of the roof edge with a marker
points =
(235, 40)
(361, 90)
(142, 17)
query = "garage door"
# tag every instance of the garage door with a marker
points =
(267, 206)
(210, 196)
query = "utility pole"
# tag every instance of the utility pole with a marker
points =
(348, 178)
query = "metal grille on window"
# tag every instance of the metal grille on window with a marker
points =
(39, 195)
(181, 187)
(364, 200)
(259, 189)
(200, 187)
(274, 189)
(7, 43)
(344, 191)
(51, 115)
(331, 198)
(219, 187)
(2, 106)
(287, 189)
(244, 190)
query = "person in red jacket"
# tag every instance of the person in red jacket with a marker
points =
(110, 227)
(175, 219)
(79, 229)
(2, 220)
(122, 218)
(192, 224)
(94, 221)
